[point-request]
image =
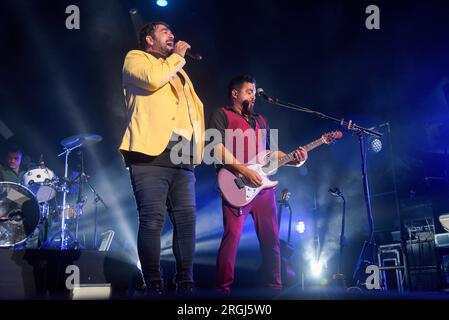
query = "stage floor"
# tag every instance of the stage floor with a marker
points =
(50, 274)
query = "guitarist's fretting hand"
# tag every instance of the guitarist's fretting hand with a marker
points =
(300, 155)
(252, 177)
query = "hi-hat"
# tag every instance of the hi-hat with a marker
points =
(83, 140)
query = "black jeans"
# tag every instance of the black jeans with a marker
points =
(157, 189)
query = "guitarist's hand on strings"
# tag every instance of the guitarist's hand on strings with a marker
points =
(300, 155)
(252, 177)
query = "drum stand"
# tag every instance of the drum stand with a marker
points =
(43, 224)
(80, 201)
(65, 234)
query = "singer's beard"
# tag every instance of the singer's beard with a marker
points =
(246, 108)
(165, 51)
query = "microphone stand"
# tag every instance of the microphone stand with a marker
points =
(96, 200)
(339, 276)
(368, 246)
(288, 273)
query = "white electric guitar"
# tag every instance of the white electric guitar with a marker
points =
(238, 192)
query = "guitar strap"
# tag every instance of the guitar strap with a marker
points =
(262, 125)
(260, 122)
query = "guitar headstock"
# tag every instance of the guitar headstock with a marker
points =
(331, 137)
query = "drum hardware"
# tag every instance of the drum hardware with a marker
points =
(26, 208)
(80, 140)
(64, 232)
(70, 144)
(86, 140)
(44, 224)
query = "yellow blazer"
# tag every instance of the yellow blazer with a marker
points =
(152, 100)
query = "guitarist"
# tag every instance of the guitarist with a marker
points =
(240, 115)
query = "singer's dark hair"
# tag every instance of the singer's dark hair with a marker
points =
(237, 83)
(148, 29)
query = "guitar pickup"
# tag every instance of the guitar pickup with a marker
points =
(239, 183)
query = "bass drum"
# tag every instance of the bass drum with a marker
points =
(19, 214)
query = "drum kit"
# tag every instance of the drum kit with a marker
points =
(43, 200)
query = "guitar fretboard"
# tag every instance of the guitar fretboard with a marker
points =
(291, 156)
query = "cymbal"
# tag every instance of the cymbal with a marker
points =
(83, 140)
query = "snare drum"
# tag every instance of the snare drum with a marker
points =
(19, 214)
(41, 181)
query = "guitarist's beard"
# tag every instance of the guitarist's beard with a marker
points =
(246, 109)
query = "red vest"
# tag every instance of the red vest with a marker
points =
(244, 141)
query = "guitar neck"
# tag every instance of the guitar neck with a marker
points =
(291, 156)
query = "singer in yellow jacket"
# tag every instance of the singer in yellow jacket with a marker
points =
(163, 112)
(159, 105)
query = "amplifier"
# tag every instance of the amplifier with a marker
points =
(421, 254)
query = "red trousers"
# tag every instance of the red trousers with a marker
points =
(263, 210)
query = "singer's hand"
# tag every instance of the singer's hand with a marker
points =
(181, 48)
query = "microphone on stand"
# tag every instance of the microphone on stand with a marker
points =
(261, 93)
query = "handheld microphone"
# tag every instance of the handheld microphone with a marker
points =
(193, 55)
(261, 93)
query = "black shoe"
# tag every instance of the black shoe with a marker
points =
(155, 288)
(185, 288)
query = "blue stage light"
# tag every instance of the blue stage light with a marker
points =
(162, 3)
(301, 227)
(376, 145)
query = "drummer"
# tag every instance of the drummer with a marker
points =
(12, 171)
